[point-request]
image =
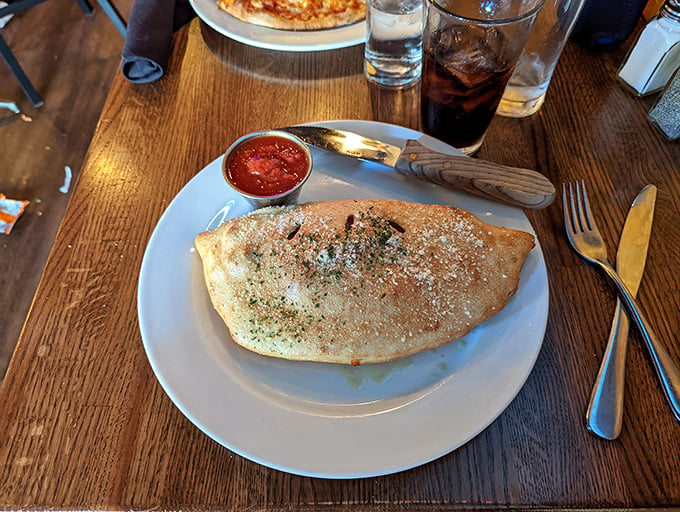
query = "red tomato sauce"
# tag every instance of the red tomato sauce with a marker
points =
(267, 165)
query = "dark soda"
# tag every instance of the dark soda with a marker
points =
(458, 105)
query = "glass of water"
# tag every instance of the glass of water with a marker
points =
(526, 89)
(394, 43)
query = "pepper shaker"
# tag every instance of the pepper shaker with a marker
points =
(656, 54)
(665, 113)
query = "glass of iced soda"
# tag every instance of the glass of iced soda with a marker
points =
(470, 48)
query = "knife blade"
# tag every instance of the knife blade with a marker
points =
(510, 185)
(604, 416)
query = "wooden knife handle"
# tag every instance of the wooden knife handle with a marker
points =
(509, 185)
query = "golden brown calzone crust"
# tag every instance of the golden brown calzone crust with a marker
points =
(358, 281)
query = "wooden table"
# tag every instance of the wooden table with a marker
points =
(84, 423)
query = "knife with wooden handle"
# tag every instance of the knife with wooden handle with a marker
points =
(510, 185)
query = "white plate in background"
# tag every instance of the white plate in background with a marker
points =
(273, 39)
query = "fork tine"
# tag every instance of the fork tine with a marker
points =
(566, 201)
(565, 210)
(584, 209)
(570, 207)
(578, 207)
(575, 198)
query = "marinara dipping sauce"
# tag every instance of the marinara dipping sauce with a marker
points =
(269, 165)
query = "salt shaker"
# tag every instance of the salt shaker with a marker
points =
(665, 114)
(656, 54)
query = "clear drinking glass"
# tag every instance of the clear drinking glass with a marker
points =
(526, 89)
(394, 44)
(470, 48)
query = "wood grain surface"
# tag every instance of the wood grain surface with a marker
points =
(71, 59)
(85, 424)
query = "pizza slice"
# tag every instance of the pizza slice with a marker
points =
(296, 14)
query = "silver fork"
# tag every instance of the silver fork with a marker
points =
(586, 240)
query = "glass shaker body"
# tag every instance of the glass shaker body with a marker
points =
(656, 54)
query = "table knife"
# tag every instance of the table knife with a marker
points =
(510, 185)
(604, 415)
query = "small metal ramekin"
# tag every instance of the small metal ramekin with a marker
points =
(287, 197)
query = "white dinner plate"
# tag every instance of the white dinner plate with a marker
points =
(273, 39)
(330, 420)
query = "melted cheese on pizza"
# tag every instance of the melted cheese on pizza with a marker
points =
(302, 10)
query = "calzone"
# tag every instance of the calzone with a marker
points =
(358, 282)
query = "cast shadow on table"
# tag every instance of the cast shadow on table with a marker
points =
(396, 106)
(281, 65)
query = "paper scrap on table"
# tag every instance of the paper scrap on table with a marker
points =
(10, 211)
(12, 107)
(9, 105)
(67, 180)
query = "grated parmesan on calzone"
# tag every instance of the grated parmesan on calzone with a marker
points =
(358, 282)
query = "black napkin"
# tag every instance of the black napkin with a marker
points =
(149, 37)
